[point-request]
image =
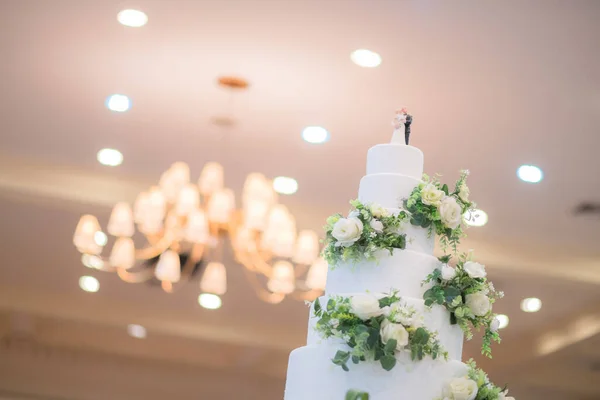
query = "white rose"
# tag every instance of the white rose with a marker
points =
(474, 269)
(377, 225)
(378, 211)
(431, 195)
(365, 306)
(478, 303)
(389, 330)
(503, 396)
(495, 325)
(461, 389)
(347, 231)
(448, 272)
(450, 212)
(464, 193)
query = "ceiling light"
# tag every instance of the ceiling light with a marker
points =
(210, 301)
(315, 134)
(100, 238)
(110, 157)
(133, 18)
(92, 261)
(530, 173)
(503, 319)
(476, 217)
(136, 331)
(285, 185)
(118, 103)
(531, 304)
(365, 58)
(89, 284)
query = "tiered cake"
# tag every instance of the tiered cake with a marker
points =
(393, 171)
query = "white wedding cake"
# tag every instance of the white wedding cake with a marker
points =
(393, 172)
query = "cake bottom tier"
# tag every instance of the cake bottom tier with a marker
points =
(312, 375)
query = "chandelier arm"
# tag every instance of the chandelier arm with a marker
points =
(154, 250)
(307, 296)
(264, 295)
(135, 277)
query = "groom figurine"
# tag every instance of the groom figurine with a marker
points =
(402, 118)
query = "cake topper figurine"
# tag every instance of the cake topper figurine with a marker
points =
(401, 124)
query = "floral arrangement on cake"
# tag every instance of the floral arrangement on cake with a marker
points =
(467, 294)
(367, 229)
(432, 205)
(474, 386)
(376, 329)
(356, 395)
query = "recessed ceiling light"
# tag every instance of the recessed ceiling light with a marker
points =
(531, 304)
(118, 103)
(315, 134)
(476, 217)
(210, 301)
(365, 58)
(100, 238)
(92, 261)
(530, 173)
(110, 157)
(136, 331)
(132, 18)
(503, 320)
(285, 185)
(89, 284)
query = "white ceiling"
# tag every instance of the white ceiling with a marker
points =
(491, 85)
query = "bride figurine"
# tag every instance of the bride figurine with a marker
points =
(401, 124)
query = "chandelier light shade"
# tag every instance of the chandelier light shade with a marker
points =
(196, 230)
(307, 247)
(168, 267)
(283, 279)
(188, 199)
(84, 237)
(120, 223)
(187, 225)
(211, 179)
(317, 275)
(214, 279)
(123, 253)
(220, 206)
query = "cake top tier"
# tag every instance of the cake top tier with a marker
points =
(401, 123)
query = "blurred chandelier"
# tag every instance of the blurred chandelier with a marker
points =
(185, 225)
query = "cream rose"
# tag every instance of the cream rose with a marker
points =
(450, 212)
(464, 193)
(389, 331)
(347, 231)
(478, 303)
(365, 306)
(474, 269)
(378, 211)
(461, 389)
(377, 225)
(431, 195)
(448, 272)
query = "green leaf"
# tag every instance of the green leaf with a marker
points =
(453, 320)
(330, 305)
(341, 358)
(450, 293)
(390, 346)
(421, 336)
(388, 362)
(356, 395)
(317, 306)
(355, 359)
(373, 338)
(445, 189)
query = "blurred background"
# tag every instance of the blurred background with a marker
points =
(287, 97)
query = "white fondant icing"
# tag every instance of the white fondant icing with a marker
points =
(395, 159)
(386, 189)
(312, 375)
(436, 319)
(403, 271)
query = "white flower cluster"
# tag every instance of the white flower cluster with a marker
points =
(347, 231)
(479, 303)
(400, 317)
(449, 209)
(464, 388)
